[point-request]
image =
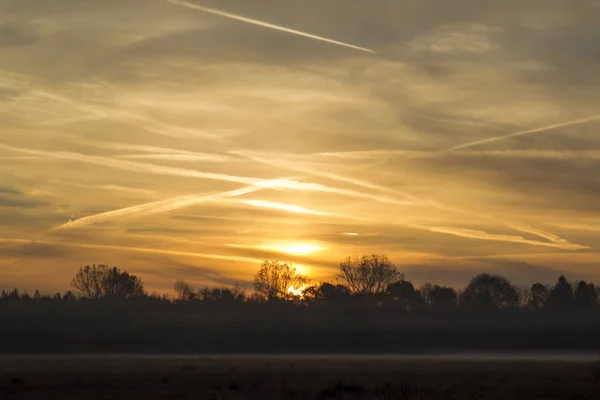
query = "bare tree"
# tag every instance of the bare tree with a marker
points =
(89, 281)
(185, 291)
(100, 281)
(274, 280)
(368, 274)
(222, 295)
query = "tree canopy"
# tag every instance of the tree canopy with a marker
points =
(274, 280)
(102, 281)
(369, 274)
(486, 291)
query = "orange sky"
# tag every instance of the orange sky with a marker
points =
(192, 140)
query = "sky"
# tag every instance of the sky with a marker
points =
(193, 140)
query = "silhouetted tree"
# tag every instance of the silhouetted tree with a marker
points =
(403, 294)
(69, 296)
(89, 281)
(561, 295)
(368, 275)
(100, 281)
(274, 280)
(121, 284)
(487, 291)
(222, 295)
(185, 291)
(442, 298)
(537, 296)
(585, 295)
(425, 291)
(328, 294)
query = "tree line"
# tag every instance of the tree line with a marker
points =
(367, 281)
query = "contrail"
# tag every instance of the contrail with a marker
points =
(266, 24)
(153, 208)
(277, 184)
(527, 132)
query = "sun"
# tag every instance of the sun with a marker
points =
(297, 292)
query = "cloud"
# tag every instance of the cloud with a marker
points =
(283, 207)
(157, 169)
(11, 241)
(16, 35)
(31, 249)
(131, 118)
(449, 39)
(279, 183)
(206, 276)
(10, 197)
(173, 105)
(481, 235)
(8, 190)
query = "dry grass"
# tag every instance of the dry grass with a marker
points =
(293, 378)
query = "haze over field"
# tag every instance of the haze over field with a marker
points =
(192, 140)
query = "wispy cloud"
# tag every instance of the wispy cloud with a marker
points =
(159, 169)
(279, 183)
(580, 226)
(482, 235)
(140, 121)
(176, 157)
(116, 188)
(9, 242)
(70, 120)
(266, 24)
(538, 232)
(528, 132)
(532, 154)
(283, 207)
(299, 167)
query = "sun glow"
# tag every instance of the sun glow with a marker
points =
(297, 249)
(297, 292)
(293, 248)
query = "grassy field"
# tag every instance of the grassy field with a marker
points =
(294, 377)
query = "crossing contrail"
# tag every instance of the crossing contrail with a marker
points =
(265, 24)
(527, 132)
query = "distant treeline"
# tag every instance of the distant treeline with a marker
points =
(371, 307)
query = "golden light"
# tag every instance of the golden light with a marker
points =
(298, 249)
(282, 207)
(302, 269)
(293, 248)
(297, 292)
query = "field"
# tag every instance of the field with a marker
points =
(297, 377)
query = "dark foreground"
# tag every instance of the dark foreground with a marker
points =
(294, 377)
